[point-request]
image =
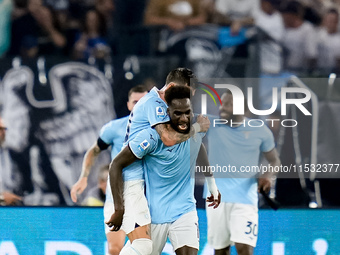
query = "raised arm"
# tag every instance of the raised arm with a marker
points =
(264, 181)
(170, 137)
(123, 159)
(90, 158)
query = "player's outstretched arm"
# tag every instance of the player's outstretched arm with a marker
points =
(170, 137)
(264, 181)
(203, 162)
(123, 159)
(90, 158)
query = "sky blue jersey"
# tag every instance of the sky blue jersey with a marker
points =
(113, 132)
(238, 148)
(168, 172)
(148, 112)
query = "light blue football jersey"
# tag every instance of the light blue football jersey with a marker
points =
(113, 134)
(168, 172)
(148, 112)
(237, 148)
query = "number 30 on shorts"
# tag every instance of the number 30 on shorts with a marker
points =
(251, 228)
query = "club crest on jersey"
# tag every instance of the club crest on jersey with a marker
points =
(160, 112)
(144, 145)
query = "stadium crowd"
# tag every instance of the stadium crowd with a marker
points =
(305, 33)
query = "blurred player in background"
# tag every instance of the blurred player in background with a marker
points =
(112, 134)
(169, 180)
(151, 111)
(238, 144)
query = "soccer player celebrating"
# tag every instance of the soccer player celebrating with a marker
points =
(169, 187)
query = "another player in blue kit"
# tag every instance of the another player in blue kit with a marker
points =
(238, 145)
(168, 172)
(111, 134)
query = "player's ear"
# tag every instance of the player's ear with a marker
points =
(170, 85)
(129, 106)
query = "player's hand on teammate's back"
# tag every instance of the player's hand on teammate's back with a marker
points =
(78, 188)
(264, 184)
(204, 122)
(213, 201)
(116, 220)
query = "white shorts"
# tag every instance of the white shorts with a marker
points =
(136, 206)
(232, 223)
(109, 207)
(182, 232)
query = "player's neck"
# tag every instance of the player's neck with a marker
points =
(161, 94)
(237, 121)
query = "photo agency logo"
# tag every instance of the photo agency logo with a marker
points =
(240, 101)
(205, 87)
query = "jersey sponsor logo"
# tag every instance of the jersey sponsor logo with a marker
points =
(144, 145)
(160, 112)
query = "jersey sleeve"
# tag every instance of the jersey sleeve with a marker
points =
(156, 111)
(107, 133)
(268, 142)
(145, 142)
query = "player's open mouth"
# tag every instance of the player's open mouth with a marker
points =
(183, 127)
